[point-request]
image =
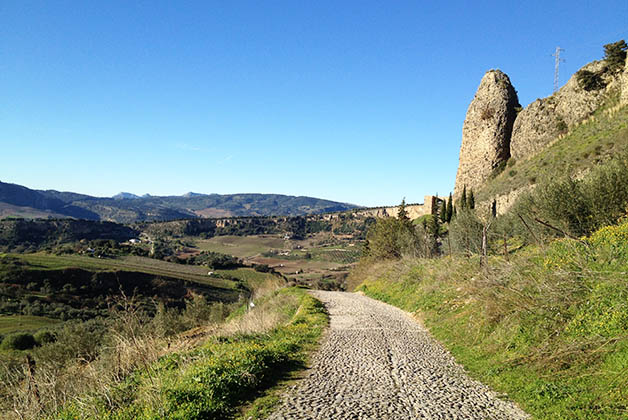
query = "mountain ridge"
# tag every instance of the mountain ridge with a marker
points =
(20, 201)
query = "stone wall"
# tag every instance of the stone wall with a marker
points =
(430, 206)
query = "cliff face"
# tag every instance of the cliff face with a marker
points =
(493, 131)
(486, 131)
(624, 85)
(544, 119)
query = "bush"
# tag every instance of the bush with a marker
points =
(44, 337)
(579, 207)
(390, 238)
(615, 55)
(589, 81)
(18, 341)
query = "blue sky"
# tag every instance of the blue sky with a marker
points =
(355, 101)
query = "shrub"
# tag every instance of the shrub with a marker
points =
(615, 55)
(44, 337)
(18, 341)
(589, 81)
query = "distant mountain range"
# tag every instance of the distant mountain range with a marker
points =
(20, 201)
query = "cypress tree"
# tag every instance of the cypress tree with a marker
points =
(402, 214)
(443, 212)
(463, 199)
(450, 208)
(471, 203)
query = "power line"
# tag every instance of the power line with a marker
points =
(557, 62)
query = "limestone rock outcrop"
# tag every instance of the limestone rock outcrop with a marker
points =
(545, 119)
(624, 85)
(486, 131)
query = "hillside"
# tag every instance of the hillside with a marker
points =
(507, 150)
(19, 201)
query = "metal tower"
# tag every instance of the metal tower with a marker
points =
(557, 62)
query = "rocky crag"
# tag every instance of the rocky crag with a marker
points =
(497, 129)
(486, 131)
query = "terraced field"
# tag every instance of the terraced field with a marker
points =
(13, 323)
(197, 274)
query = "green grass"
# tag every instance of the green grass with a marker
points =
(18, 323)
(152, 266)
(239, 246)
(249, 276)
(549, 328)
(217, 379)
(583, 147)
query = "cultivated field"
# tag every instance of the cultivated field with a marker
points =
(197, 274)
(13, 323)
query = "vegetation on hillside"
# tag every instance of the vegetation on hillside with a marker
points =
(589, 144)
(532, 302)
(205, 367)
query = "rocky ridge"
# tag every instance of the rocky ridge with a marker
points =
(486, 131)
(496, 129)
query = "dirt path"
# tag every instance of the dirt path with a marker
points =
(376, 362)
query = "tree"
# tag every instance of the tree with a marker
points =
(434, 235)
(471, 201)
(442, 212)
(450, 208)
(463, 199)
(615, 55)
(402, 214)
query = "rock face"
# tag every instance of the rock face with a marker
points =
(544, 119)
(486, 131)
(624, 85)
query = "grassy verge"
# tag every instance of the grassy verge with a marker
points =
(549, 327)
(249, 354)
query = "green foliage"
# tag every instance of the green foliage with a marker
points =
(572, 155)
(18, 341)
(549, 327)
(471, 201)
(213, 380)
(615, 55)
(215, 260)
(442, 211)
(465, 232)
(391, 238)
(579, 207)
(44, 337)
(588, 81)
(450, 208)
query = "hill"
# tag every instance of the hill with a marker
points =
(20, 201)
(507, 150)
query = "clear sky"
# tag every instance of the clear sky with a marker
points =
(355, 101)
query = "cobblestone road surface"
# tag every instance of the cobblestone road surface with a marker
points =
(376, 362)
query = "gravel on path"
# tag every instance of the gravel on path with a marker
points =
(377, 362)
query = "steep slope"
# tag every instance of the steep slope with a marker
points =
(486, 131)
(13, 195)
(565, 134)
(590, 143)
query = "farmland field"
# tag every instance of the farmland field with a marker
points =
(240, 246)
(14, 323)
(197, 274)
